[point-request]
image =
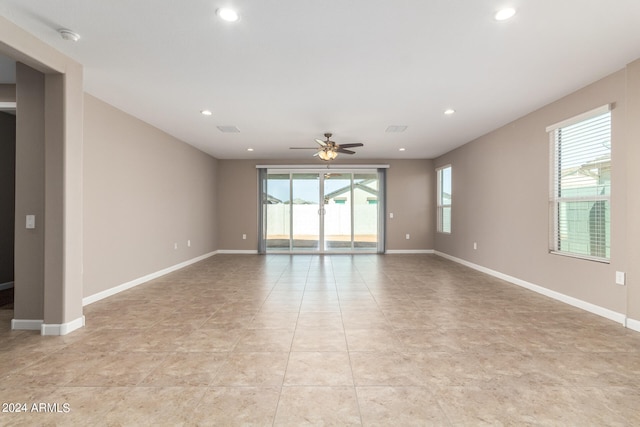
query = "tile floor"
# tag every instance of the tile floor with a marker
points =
(394, 340)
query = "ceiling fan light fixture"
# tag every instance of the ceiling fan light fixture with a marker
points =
(329, 150)
(327, 154)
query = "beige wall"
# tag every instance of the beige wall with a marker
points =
(7, 194)
(409, 196)
(7, 93)
(411, 199)
(632, 229)
(143, 191)
(30, 194)
(238, 204)
(500, 201)
(62, 226)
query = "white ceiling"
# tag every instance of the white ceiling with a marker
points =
(291, 70)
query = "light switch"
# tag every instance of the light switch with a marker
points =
(31, 222)
(391, 215)
(620, 278)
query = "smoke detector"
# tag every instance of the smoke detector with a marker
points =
(69, 35)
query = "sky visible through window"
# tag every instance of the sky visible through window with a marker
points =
(446, 185)
(305, 189)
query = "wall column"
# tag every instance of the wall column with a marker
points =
(633, 195)
(29, 199)
(63, 201)
(58, 304)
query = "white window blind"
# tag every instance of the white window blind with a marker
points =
(444, 199)
(581, 185)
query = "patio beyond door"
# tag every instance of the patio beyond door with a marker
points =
(321, 211)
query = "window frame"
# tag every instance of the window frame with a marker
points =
(441, 206)
(556, 199)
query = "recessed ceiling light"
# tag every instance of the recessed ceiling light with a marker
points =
(402, 149)
(449, 111)
(227, 14)
(504, 14)
(249, 149)
(69, 35)
(206, 112)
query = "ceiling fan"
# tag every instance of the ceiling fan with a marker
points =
(329, 149)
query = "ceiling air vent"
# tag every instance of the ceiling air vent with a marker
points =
(228, 129)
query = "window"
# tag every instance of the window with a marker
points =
(581, 185)
(444, 199)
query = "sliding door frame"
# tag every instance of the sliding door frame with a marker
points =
(263, 171)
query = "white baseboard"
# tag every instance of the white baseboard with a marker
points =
(26, 324)
(389, 251)
(6, 285)
(409, 251)
(591, 308)
(633, 324)
(62, 329)
(128, 285)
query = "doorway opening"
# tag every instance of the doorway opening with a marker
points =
(7, 201)
(322, 211)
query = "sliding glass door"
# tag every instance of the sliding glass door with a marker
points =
(276, 212)
(337, 217)
(305, 212)
(366, 206)
(321, 211)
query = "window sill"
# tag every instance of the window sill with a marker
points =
(584, 257)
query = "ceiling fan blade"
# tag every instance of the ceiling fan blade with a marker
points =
(321, 142)
(317, 153)
(342, 150)
(357, 144)
(302, 148)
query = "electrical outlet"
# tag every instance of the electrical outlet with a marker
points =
(407, 236)
(391, 215)
(475, 245)
(620, 278)
(244, 237)
(189, 243)
(175, 246)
